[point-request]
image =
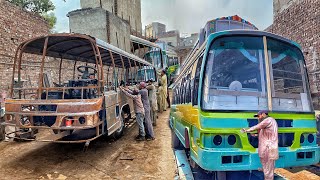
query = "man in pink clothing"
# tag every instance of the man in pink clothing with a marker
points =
(268, 142)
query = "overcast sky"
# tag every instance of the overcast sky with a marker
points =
(187, 16)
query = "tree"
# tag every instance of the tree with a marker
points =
(51, 19)
(41, 7)
(36, 6)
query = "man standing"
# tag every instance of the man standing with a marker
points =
(268, 142)
(138, 108)
(148, 122)
(318, 125)
(164, 84)
(161, 98)
(168, 83)
(153, 101)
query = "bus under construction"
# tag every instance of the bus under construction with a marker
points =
(78, 100)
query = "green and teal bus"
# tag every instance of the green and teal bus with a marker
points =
(232, 75)
(165, 58)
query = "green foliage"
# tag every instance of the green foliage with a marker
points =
(41, 7)
(51, 19)
(37, 6)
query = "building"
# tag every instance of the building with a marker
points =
(154, 29)
(124, 9)
(112, 21)
(298, 20)
(189, 41)
(172, 38)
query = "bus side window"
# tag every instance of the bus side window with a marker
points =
(196, 81)
(188, 89)
(179, 93)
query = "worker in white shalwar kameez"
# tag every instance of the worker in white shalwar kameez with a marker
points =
(268, 142)
(164, 83)
(152, 92)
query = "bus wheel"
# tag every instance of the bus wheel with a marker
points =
(175, 141)
(119, 132)
(193, 164)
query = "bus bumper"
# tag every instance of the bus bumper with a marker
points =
(227, 160)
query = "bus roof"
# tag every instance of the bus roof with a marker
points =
(251, 33)
(137, 42)
(78, 47)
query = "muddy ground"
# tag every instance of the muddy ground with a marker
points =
(104, 159)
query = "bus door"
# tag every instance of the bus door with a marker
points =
(112, 103)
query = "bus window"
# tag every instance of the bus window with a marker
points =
(234, 75)
(197, 68)
(289, 77)
(188, 88)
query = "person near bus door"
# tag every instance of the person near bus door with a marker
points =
(168, 80)
(164, 84)
(162, 98)
(147, 118)
(153, 101)
(138, 108)
(318, 125)
(268, 142)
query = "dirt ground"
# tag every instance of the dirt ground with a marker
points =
(105, 158)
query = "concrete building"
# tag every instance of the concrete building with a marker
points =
(101, 24)
(172, 38)
(124, 9)
(109, 20)
(298, 20)
(154, 29)
(189, 41)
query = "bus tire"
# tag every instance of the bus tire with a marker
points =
(193, 164)
(119, 132)
(176, 144)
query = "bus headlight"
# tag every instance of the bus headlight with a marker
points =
(232, 139)
(310, 138)
(82, 120)
(217, 140)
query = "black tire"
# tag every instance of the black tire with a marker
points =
(193, 164)
(119, 132)
(175, 143)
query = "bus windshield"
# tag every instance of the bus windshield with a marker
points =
(288, 77)
(235, 76)
(154, 57)
(146, 73)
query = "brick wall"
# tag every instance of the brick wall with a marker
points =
(16, 26)
(300, 22)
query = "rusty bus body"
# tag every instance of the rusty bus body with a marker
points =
(80, 110)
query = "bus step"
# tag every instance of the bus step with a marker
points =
(183, 165)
